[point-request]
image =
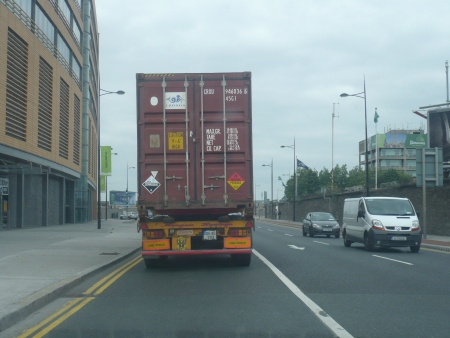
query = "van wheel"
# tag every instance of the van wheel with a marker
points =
(368, 244)
(414, 248)
(347, 243)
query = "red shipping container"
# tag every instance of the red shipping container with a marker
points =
(195, 143)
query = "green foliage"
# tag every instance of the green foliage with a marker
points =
(309, 181)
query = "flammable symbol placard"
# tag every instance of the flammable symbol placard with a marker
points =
(235, 181)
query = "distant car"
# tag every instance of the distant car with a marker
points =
(123, 216)
(321, 223)
(132, 215)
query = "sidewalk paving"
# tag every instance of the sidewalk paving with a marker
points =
(431, 242)
(38, 264)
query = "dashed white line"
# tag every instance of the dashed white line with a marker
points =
(394, 260)
(316, 309)
(269, 230)
(321, 243)
(289, 235)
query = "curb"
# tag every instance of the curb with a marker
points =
(47, 295)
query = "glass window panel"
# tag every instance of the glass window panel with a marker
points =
(63, 48)
(45, 24)
(65, 9)
(77, 30)
(25, 5)
(76, 68)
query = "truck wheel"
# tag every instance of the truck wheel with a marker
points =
(414, 248)
(242, 259)
(347, 243)
(368, 243)
(151, 263)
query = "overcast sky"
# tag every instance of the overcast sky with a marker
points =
(302, 55)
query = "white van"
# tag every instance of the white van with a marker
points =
(381, 222)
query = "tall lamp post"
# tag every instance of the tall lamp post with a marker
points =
(271, 184)
(332, 148)
(127, 185)
(106, 194)
(365, 114)
(295, 178)
(99, 212)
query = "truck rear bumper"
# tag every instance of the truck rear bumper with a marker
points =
(196, 252)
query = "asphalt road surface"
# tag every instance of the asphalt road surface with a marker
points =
(295, 287)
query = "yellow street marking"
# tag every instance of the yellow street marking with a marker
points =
(48, 319)
(99, 291)
(103, 280)
(441, 251)
(63, 318)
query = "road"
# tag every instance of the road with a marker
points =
(295, 287)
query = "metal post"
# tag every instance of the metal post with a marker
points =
(106, 198)
(367, 158)
(295, 181)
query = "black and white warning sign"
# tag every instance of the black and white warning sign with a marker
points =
(151, 184)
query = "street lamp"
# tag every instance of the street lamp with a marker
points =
(365, 114)
(332, 148)
(255, 196)
(106, 195)
(295, 178)
(271, 185)
(127, 185)
(99, 212)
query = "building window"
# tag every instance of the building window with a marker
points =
(64, 120)
(391, 163)
(385, 152)
(45, 105)
(26, 5)
(410, 163)
(65, 9)
(63, 48)
(16, 86)
(410, 152)
(45, 24)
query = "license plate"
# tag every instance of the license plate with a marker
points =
(326, 229)
(398, 238)
(209, 235)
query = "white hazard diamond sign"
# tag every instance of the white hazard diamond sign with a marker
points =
(151, 184)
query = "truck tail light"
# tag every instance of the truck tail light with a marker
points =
(154, 234)
(237, 232)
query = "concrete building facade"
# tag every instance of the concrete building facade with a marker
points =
(49, 90)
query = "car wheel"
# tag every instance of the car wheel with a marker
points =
(368, 243)
(414, 248)
(337, 235)
(304, 232)
(347, 243)
(311, 232)
(328, 236)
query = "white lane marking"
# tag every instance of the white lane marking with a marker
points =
(394, 260)
(269, 230)
(295, 247)
(259, 227)
(322, 243)
(289, 235)
(321, 314)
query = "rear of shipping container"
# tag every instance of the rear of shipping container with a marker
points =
(195, 144)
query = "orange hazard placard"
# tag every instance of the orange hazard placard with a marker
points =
(235, 181)
(158, 244)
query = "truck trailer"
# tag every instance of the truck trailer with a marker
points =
(195, 165)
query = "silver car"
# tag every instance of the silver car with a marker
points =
(321, 223)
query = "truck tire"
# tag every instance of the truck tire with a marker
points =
(155, 263)
(242, 259)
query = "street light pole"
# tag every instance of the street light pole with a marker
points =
(366, 148)
(271, 185)
(99, 212)
(127, 186)
(332, 148)
(295, 178)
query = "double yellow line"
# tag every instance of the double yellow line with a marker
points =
(49, 323)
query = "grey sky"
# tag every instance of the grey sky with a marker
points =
(302, 55)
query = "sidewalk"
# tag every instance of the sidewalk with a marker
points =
(38, 264)
(431, 242)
